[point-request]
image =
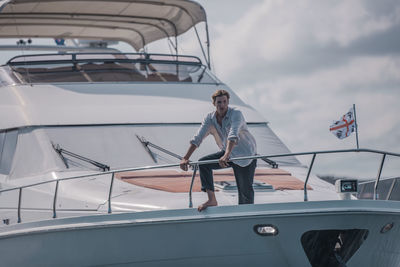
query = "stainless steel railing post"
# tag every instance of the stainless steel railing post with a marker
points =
(19, 204)
(110, 192)
(391, 189)
(191, 186)
(378, 178)
(308, 176)
(55, 200)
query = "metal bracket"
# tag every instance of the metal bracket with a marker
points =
(62, 151)
(273, 164)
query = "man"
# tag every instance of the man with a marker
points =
(230, 131)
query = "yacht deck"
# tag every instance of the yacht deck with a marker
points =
(176, 181)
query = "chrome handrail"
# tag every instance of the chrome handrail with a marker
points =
(195, 165)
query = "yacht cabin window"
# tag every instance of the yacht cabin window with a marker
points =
(109, 67)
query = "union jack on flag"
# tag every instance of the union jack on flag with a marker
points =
(345, 126)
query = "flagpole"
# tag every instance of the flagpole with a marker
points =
(355, 121)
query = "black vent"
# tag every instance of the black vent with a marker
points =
(332, 248)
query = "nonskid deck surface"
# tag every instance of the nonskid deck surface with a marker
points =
(179, 182)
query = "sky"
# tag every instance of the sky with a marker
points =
(302, 64)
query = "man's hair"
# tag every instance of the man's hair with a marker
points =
(219, 93)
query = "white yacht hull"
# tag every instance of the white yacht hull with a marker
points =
(221, 236)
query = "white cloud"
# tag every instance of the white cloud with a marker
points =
(346, 21)
(277, 30)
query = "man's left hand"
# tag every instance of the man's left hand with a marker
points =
(223, 161)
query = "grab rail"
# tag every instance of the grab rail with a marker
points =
(195, 165)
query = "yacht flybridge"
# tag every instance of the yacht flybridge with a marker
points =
(90, 144)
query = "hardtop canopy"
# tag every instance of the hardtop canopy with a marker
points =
(137, 22)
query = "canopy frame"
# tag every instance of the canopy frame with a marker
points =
(92, 19)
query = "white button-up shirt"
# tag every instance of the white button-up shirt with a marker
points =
(233, 128)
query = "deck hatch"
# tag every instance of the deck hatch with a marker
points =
(232, 186)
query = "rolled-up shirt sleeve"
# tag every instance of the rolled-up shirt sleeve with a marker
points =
(237, 121)
(202, 133)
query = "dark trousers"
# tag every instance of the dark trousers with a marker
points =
(244, 177)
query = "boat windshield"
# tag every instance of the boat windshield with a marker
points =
(109, 67)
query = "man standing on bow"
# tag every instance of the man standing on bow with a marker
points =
(231, 134)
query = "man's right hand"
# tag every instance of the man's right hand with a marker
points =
(184, 164)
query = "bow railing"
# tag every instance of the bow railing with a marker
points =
(195, 165)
